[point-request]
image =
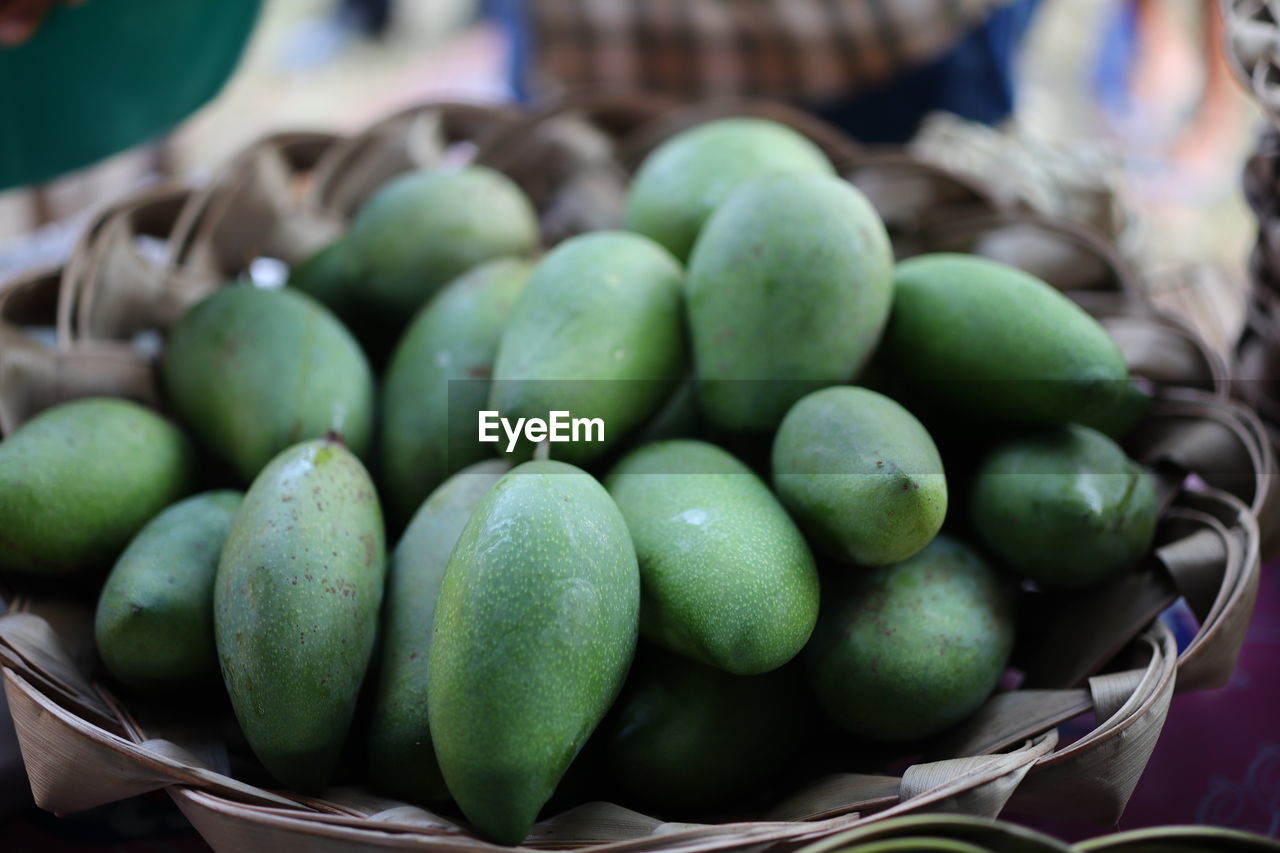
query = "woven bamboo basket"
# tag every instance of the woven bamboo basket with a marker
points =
(1252, 37)
(91, 328)
(1252, 43)
(1259, 349)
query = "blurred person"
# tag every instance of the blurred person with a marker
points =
(873, 67)
(1166, 89)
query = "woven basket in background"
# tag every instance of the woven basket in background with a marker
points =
(1252, 43)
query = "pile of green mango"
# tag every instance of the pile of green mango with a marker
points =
(314, 525)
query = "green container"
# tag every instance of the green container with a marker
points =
(104, 76)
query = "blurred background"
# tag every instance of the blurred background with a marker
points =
(1124, 114)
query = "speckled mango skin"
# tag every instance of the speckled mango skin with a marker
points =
(1065, 507)
(415, 234)
(535, 628)
(861, 475)
(601, 316)
(253, 371)
(909, 650)
(685, 737)
(984, 340)
(402, 759)
(789, 289)
(295, 607)
(726, 577)
(154, 622)
(681, 183)
(428, 427)
(78, 480)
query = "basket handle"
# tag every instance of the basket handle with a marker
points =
(1072, 256)
(1163, 349)
(115, 271)
(1219, 440)
(253, 207)
(1094, 777)
(1210, 658)
(33, 378)
(354, 168)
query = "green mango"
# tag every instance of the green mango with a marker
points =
(598, 333)
(989, 342)
(1065, 507)
(324, 276)
(678, 417)
(402, 759)
(154, 623)
(418, 232)
(438, 379)
(535, 628)
(682, 181)
(78, 480)
(725, 575)
(685, 737)
(295, 607)
(789, 289)
(906, 651)
(861, 475)
(253, 371)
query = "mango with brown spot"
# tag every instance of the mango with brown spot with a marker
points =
(861, 474)
(296, 603)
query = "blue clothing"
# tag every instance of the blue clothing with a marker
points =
(973, 80)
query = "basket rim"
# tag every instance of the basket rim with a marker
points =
(1041, 753)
